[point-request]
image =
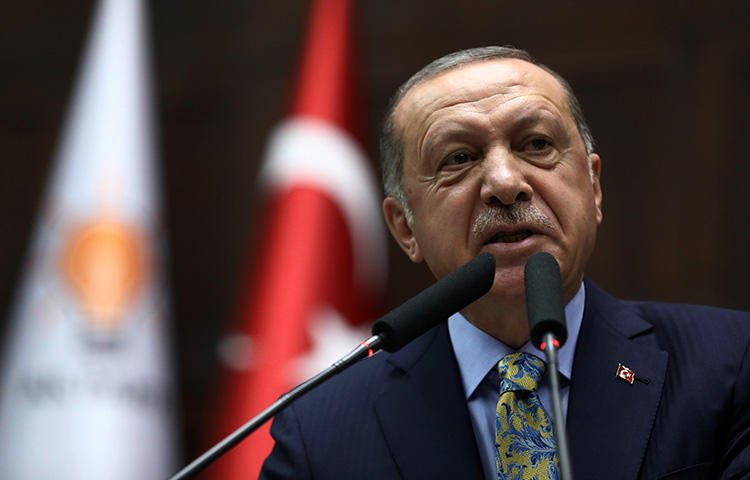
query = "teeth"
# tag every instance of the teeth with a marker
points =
(513, 238)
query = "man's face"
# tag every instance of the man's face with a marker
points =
(493, 162)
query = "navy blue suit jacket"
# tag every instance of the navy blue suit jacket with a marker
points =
(403, 415)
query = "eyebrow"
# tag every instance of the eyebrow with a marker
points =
(531, 117)
(451, 130)
(468, 127)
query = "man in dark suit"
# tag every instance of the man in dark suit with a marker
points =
(485, 150)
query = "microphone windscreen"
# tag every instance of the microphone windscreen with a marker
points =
(439, 301)
(544, 301)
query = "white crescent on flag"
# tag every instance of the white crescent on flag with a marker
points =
(319, 271)
(306, 150)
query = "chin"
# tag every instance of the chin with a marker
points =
(508, 283)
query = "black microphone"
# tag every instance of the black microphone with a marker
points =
(391, 332)
(439, 301)
(544, 301)
(544, 306)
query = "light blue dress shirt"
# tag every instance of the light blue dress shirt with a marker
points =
(478, 354)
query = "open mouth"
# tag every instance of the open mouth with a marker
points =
(510, 237)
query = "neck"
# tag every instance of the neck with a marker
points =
(506, 322)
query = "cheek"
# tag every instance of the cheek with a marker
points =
(576, 211)
(570, 195)
(446, 207)
(577, 218)
(444, 227)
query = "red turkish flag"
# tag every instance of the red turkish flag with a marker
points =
(320, 267)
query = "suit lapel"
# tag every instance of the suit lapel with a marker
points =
(609, 420)
(424, 416)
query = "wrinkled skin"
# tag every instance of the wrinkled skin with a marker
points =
(498, 135)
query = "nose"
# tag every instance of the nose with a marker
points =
(503, 179)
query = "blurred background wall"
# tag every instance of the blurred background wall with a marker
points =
(663, 85)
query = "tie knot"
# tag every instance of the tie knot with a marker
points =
(520, 371)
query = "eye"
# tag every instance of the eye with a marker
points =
(459, 158)
(537, 145)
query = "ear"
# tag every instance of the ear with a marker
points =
(395, 217)
(596, 169)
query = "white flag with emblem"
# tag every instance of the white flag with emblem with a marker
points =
(85, 385)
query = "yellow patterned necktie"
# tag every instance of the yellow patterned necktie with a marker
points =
(524, 436)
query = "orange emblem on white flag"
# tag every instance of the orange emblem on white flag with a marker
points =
(105, 264)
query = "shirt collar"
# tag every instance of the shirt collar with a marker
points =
(477, 352)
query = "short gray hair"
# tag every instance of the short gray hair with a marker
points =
(391, 139)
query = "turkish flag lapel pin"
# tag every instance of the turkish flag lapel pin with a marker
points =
(625, 373)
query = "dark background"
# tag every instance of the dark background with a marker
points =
(663, 85)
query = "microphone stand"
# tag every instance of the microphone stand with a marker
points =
(550, 346)
(366, 348)
(391, 332)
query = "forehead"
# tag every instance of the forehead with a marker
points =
(472, 84)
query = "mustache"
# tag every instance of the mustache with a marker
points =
(507, 216)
